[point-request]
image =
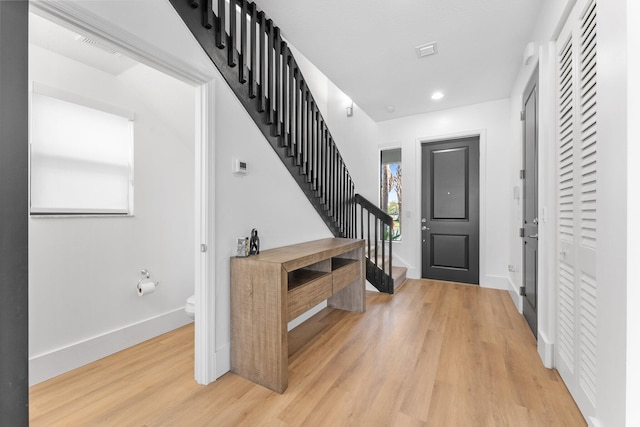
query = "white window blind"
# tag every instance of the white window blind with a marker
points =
(81, 156)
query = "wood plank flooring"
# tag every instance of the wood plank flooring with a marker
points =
(434, 354)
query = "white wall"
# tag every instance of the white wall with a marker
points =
(633, 212)
(266, 198)
(83, 271)
(611, 255)
(489, 120)
(357, 138)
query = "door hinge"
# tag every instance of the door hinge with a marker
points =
(522, 116)
(523, 293)
(521, 173)
(203, 248)
(522, 232)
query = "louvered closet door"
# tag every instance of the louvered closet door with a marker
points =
(577, 205)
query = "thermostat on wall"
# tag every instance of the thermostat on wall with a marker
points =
(239, 166)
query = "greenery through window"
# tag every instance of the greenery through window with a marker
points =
(391, 188)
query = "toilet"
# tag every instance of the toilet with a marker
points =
(190, 307)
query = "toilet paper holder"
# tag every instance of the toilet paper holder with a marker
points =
(145, 275)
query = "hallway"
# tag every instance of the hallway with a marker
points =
(434, 354)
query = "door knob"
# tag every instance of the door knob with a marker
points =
(533, 236)
(424, 228)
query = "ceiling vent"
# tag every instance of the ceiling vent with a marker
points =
(427, 49)
(87, 40)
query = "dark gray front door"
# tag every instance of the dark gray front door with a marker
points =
(450, 210)
(530, 204)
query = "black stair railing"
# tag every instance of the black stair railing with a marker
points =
(248, 50)
(376, 223)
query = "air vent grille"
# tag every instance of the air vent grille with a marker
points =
(427, 49)
(90, 41)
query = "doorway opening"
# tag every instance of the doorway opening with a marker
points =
(72, 257)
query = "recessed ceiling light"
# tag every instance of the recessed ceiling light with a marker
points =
(437, 95)
(390, 108)
(427, 49)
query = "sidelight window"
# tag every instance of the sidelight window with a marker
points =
(391, 188)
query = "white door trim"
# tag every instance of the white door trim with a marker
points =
(205, 359)
(73, 16)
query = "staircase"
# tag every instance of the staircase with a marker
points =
(248, 50)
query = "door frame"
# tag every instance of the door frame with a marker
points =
(533, 84)
(544, 61)
(77, 19)
(485, 281)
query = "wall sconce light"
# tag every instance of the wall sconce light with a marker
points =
(350, 110)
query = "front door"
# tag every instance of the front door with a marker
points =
(451, 210)
(530, 204)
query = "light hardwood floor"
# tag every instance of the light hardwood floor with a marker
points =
(434, 354)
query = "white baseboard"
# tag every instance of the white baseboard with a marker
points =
(495, 282)
(514, 292)
(369, 287)
(593, 422)
(545, 350)
(48, 365)
(400, 262)
(223, 360)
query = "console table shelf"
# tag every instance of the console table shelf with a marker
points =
(275, 287)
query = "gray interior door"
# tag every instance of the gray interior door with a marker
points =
(530, 204)
(450, 210)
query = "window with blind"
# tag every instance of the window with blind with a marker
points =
(81, 156)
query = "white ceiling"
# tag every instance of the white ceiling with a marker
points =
(367, 48)
(53, 37)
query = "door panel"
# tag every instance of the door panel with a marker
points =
(530, 205)
(450, 193)
(450, 251)
(450, 210)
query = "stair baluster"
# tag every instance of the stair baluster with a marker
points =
(262, 85)
(253, 77)
(289, 118)
(269, 87)
(231, 38)
(242, 72)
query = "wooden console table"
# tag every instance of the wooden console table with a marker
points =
(270, 289)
